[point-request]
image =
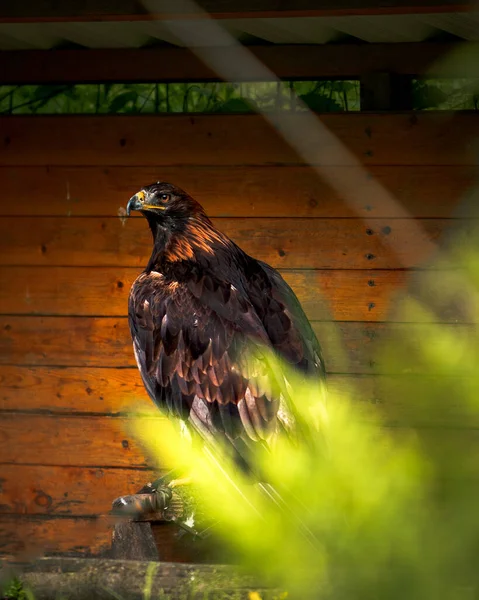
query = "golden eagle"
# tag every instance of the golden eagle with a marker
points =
(194, 314)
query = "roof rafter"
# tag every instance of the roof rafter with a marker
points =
(25, 11)
(328, 61)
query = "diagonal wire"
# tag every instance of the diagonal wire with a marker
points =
(206, 38)
(319, 147)
(305, 133)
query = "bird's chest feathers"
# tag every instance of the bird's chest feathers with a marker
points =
(154, 285)
(155, 296)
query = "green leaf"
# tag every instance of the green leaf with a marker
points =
(348, 86)
(15, 591)
(120, 101)
(428, 96)
(321, 103)
(236, 105)
(47, 91)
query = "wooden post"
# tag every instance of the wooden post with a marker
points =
(386, 91)
(133, 540)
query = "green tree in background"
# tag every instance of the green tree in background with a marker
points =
(220, 97)
(151, 98)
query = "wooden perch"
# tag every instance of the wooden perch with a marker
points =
(157, 531)
(84, 579)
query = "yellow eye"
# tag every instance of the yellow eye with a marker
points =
(164, 197)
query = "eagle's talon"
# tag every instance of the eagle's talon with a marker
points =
(163, 494)
(134, 505)
(137, 505)
(148, 488)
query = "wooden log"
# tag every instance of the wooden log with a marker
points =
(283, 243)
(229, 191)
(103, 579)
(420, 139)
(348, 347)
(338, 294)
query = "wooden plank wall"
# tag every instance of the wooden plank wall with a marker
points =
(68, 257)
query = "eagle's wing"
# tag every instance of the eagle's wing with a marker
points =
(293, 325)
(190, 342)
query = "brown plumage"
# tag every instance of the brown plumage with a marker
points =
(200, 304)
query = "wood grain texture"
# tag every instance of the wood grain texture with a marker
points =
(419, 139)
(343, 295)
(283, 243)
(340, 295)
(72, 390)
(100, 390)
(102, 442)
(399, 400)
(66, 491)
(27, 537)
(255, 191)
(106, 391)
(348, 347)
(79, 441)
(54, 490)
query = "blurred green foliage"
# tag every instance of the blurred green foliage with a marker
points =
(220, 97)
(15, 590)
(151, 98)
(445, 94)
(364, 510)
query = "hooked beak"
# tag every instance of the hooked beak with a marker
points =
(136, 202)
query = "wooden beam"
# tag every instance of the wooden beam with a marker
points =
(348, 348)
(136, 10)
(285, 61)
(368, 295)
(303, 243)
(239, 140)
(105, 392)
(345, 295)
(227, 191)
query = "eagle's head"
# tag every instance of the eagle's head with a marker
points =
(164, 202)
(181, 230)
